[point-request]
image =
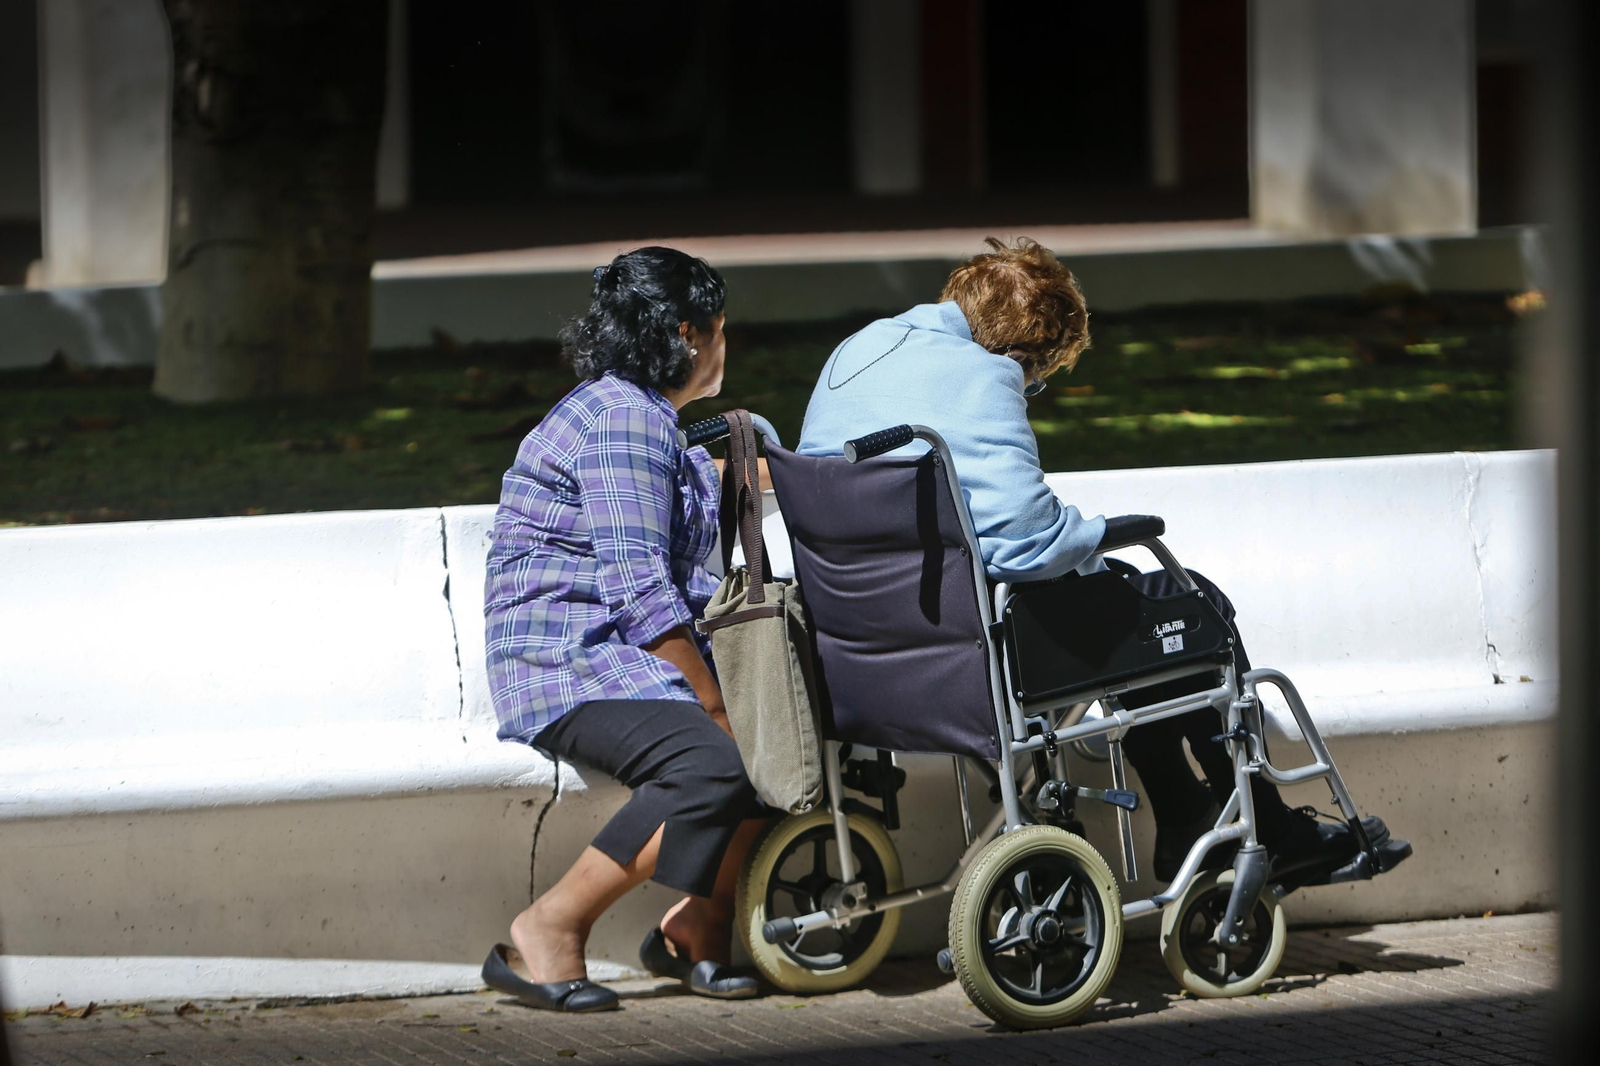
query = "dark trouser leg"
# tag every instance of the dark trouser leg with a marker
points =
(1162, 752)
(684, 771)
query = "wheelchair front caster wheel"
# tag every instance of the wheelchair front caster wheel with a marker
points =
(1036, 928)
(1192, 954)
(789, 873)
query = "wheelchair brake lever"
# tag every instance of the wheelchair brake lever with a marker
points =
(1125, 798)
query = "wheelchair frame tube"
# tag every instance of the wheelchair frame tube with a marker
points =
(906, 896)
(1323, 767)
(1005, 732)
(841, 818)
(1123, 719)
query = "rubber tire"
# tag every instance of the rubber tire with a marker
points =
(750, 906)
(1207, 987)
(966, 927)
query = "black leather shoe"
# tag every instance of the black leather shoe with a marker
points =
(713, 980)
(655, 957)
(581, 996)
(1311, 849)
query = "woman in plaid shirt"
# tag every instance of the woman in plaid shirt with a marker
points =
(595, 576)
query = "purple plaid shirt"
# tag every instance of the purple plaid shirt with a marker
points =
(597, 549)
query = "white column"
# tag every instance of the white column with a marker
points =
(886, 95)
(1362, 116)
(394, 139)
(1161, 80)
(104, 85)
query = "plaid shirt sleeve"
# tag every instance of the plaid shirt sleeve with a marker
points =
(626, 471)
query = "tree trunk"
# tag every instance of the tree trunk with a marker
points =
(275, 114)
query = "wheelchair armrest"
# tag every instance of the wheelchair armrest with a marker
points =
(1130, 529)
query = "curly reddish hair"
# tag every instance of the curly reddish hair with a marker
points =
(1020, 301)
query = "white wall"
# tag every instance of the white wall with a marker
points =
(256, 740)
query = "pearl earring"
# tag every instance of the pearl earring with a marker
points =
(693, 352)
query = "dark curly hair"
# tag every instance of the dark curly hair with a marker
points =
(631, 327)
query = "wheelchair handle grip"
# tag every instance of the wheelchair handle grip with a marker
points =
(885, 440)
(703, 432)
(1128, 529)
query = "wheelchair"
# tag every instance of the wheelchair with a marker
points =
(917, 651)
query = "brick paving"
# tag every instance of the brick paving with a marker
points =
(1467, 990)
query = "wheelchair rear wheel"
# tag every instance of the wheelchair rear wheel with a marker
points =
(788, 874)
(1036, 927)
(1200, 964)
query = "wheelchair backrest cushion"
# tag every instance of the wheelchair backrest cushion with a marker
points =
(886, 573)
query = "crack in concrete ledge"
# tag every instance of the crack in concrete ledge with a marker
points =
(1472, 468)
(538, 826)
(455, 635)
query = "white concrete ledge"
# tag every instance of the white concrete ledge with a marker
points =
(234, 749)
(120, 325)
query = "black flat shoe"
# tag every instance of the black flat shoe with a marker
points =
(655, 956)
(582, 996)
(713, 980)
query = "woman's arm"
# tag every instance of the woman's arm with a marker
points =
(626, 470)
(1023, 529)
(678, 647)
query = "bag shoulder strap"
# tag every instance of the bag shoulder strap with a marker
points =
(740, 507)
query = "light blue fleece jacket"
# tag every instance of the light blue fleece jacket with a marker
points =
(923, 367)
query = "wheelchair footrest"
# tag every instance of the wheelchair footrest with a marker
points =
(1390, 853)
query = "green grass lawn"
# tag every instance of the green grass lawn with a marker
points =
(439, 425)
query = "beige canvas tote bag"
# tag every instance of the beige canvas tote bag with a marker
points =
(762, 646)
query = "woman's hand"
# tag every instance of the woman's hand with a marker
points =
(677, 646)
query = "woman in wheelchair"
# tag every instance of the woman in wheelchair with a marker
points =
(965, 366)
(594, 577)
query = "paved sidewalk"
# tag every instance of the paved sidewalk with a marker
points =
(1472, 990)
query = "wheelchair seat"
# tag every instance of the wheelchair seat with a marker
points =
(1072, 633)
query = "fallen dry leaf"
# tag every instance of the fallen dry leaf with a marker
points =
(61, 1010)
(185, 1008)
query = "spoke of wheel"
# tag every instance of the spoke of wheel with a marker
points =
(819, 856)
(1055, 897)
(1222, 966)
(1037, 988)
(1006, 943)
(796, 892)
(1022, 885)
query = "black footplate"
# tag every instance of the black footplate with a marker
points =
(1390, 853)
